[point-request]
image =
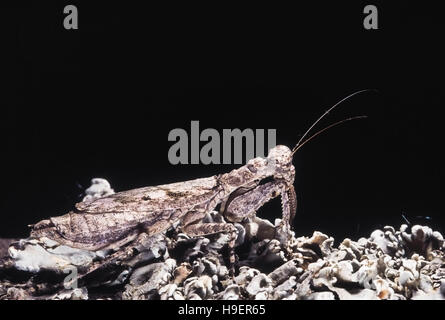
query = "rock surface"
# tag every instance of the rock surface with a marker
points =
(404, 264)
(408, 263)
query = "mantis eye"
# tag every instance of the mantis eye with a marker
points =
(252, 168)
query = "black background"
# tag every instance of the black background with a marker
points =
(100, 101)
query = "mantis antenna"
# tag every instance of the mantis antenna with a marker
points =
(298, 146)
(324, 114)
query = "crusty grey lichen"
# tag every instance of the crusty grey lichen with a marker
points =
(390, 264)
(99, 188)
(272, 264)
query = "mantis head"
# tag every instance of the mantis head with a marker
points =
(279, 163)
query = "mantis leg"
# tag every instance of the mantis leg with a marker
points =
(245, 203)
(289, 205)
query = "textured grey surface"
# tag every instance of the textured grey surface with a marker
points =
(391, 264)
(273, 263)
(4, 244)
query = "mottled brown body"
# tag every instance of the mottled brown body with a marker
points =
(119, 218)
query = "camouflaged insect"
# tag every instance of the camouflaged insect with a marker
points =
(117, 219)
